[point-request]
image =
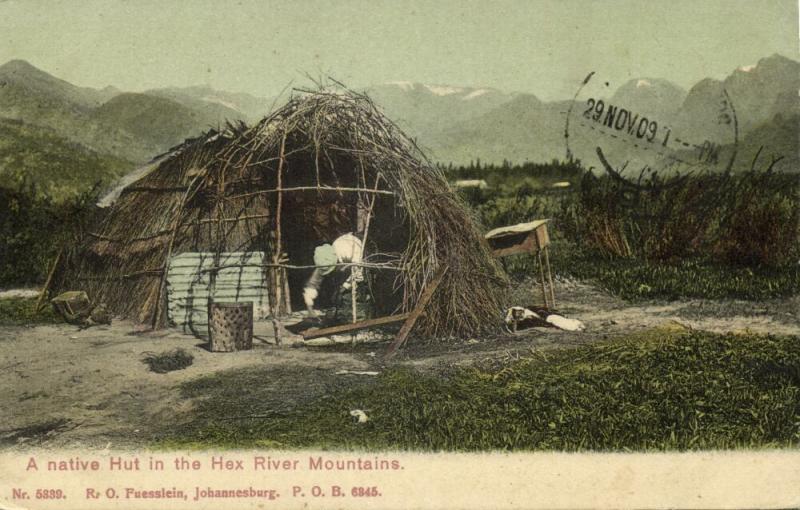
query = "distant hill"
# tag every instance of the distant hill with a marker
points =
(522, 129)
(215, 105)
(73, 126)
(158, 122)
(758, 93)
(777, 137)
(653, 97)
(37, 98)
(37, 82)
(33, 156)
(424, 111)
(130, 126)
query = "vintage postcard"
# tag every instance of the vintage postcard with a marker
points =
(399, 254)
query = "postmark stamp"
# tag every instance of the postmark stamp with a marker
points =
(642, 127)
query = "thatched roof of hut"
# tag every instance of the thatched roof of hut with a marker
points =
(260, 188)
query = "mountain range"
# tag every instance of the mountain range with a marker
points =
(764, 96)
(119, 130)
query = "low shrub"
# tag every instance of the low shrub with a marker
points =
(18, 311)
(749, 219)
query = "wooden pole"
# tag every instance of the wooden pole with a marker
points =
(353, 293)
(550, 276)
(276, 285)
(380, 265)
(314, 188)
(212, 284)
(346, 328)
(541, 278)
(287, 297)
(49, 279)
(424, 299)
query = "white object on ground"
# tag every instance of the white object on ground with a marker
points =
(19, 293)
(356, 372)
(359, 415)
(554, 319)
(564, 323)
(525, 314)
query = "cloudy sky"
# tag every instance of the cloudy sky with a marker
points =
(539, 46)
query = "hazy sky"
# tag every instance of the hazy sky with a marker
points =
(543, 47)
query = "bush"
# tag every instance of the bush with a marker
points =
(32, 230)
(761, 221)
(750, 219)
(19, 311)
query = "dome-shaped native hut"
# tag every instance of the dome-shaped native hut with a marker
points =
(248, 203)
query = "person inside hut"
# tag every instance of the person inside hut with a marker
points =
(346, 249)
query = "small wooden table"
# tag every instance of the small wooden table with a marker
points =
(531, 237)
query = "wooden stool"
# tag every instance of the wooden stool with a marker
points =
(531, 237)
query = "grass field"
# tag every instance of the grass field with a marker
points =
(713, 236)
(22, 311)
(635, 279)
(659, 390)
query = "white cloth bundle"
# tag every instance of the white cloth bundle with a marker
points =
(348, 249)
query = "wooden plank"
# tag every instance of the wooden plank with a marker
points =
(542, 237)
(525, 245)
(517, 229)
(424, 299)
(344, 328)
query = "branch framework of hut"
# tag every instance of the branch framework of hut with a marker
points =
(326, 163)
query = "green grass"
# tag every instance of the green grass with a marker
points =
(20, 311)
(635, 279)
(658, 390)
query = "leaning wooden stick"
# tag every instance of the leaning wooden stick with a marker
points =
(46, 287)
(549, 276)
(424, 299)
(347, 328)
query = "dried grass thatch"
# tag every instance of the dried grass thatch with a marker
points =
(300, 174)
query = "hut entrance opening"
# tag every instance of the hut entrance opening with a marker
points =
(322, 201)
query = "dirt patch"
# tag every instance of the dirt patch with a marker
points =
(606, 316)
(62, 386)
(95, 380)
(35, 432)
